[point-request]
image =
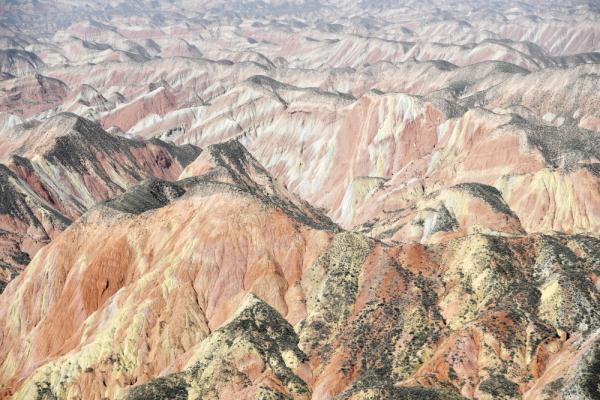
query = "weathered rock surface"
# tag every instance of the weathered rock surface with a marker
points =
(95, 164)
(255, 355)
(27, 222)
(478, 315)
(63, 167)
(299, 200)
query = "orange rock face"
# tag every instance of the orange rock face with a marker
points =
(324, 200)
(92, 165)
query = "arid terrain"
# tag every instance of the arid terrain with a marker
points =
(302, 199)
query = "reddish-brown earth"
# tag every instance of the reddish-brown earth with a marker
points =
(64, 166)
(299, 200)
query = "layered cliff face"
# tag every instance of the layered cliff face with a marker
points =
(27, 222)
(94, 165)
(56, 171)
(268, 303)
(18, 62)
(299, 200)
(283, 253)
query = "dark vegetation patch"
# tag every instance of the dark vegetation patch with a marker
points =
(149, 195)
(487, 193)
(171, 387)
(499, 387)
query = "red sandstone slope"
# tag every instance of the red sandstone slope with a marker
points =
(94, 165)
(384, 152)
(200, 198)
(30, 95)
(512, 304)
(394, 200)
(61, 168)
(27, 222)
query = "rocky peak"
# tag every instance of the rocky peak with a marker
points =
(256, 334)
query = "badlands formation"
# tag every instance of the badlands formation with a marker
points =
(301, 199)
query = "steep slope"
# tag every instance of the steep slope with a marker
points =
(249, 257)
(373, 136)
(556, 200)
(88, 103)
(451, 212)
(257, 352)
(31, 95)
(573, 99)
(19, 62)
(93, 164)
(27, 222)
(230, 162)
(384, 152)
(393, 200)
(479, 316)
(61, 168)
(485, 148)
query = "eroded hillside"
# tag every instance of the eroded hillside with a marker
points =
(299, 200)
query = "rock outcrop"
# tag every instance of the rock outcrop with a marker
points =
(63, 167)
(27, 222)
(197, 284)
(306, 200)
